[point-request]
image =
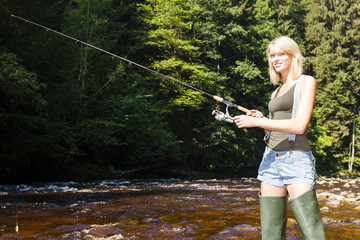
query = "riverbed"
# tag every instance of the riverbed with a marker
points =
(162, 209)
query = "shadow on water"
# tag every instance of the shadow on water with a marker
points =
(161, 209)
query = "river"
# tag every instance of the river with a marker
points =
(161, 209)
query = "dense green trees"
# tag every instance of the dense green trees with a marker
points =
(71, 112)
(22, 116)
(332, 37)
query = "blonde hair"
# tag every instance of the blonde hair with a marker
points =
(289, 47)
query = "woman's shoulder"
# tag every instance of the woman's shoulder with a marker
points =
(308, 82)
(308, 78)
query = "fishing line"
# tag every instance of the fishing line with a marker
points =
(217, 98)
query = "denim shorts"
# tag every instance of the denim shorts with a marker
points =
(280, 168)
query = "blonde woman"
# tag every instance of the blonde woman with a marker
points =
(287, 168)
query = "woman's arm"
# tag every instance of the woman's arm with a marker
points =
(297, 125)
(256, 114)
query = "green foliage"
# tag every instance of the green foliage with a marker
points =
(71, 112)
(137, 131)
(174, 49)
(333, 56)
(22, 115)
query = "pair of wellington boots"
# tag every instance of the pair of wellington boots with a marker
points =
(273, 213)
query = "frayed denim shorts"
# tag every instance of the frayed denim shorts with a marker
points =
(280, 168)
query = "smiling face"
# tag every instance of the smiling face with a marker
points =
(280, 61)
(285, 59)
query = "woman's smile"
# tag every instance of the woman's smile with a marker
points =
(280, 61)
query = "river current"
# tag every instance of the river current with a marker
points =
(162, 209)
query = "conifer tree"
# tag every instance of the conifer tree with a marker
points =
(333, 45)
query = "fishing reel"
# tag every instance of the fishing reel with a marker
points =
(221, 116)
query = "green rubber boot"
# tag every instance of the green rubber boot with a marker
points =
(307, 213)
(273, 214)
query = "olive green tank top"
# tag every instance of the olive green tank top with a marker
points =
(281, 108)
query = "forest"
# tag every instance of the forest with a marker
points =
(69, 112)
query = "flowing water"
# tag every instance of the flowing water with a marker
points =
(161, 209)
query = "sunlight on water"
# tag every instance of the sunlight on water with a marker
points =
(161, 209)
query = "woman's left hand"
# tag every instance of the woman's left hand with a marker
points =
(255, 113)
(243, 121)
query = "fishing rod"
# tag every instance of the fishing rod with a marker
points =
(217, 113)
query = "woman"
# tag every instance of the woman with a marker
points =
(287, 167)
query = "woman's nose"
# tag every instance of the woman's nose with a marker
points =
(275, 59)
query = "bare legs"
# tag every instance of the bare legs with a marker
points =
(294, 190)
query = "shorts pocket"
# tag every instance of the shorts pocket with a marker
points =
(303, 162)
(300, 159)
(265, 163)
(298, 168)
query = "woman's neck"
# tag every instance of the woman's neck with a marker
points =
(284, 77)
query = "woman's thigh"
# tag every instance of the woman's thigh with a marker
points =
(297, 189)
(272, 190)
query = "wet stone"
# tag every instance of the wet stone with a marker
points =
(246, 227)
(329, 220)
(351, 195)
(11, 236)
(336, 197)
(357, 222)
(333, 204)
(228, 230)
(321, 182)
(322, 195)
(115, 237)
(346, 220)
(163, 209)
(77, 227)
(324, 209)
(251, 232)
(344, 193)
(291, 221)
(151, 220)
(350, 200)
(250, 199)
(352, 181)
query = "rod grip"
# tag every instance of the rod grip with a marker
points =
(220, 99)
(243, 109)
